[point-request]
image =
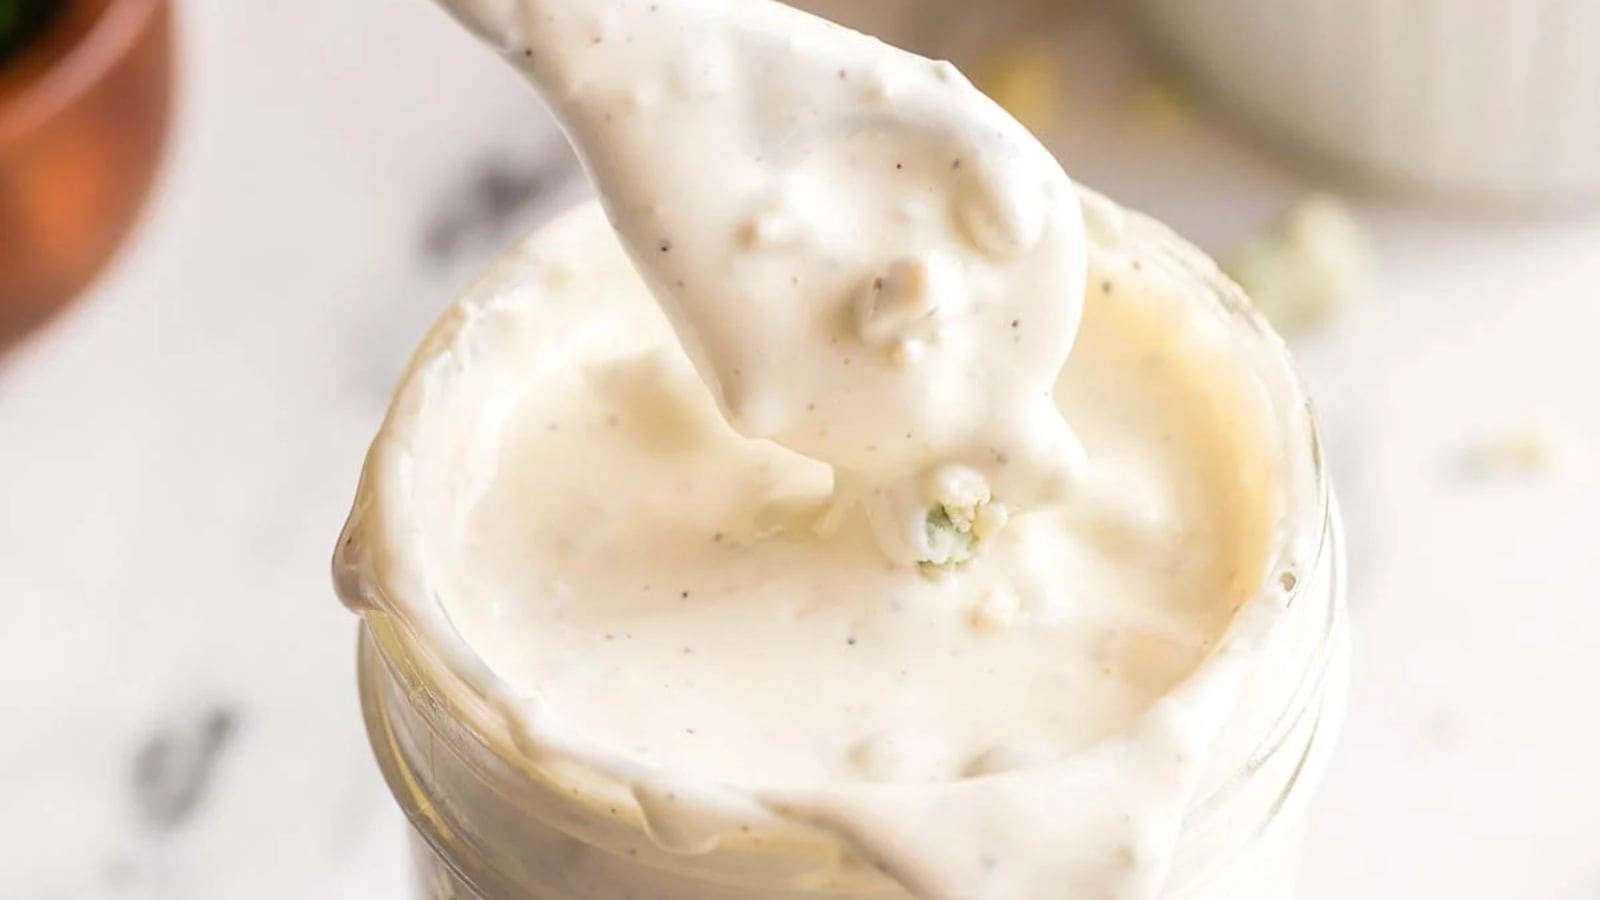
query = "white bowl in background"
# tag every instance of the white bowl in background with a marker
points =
(1481, 100)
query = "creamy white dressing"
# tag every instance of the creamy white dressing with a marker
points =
(845, 249)
(625, 553)
(870, 262)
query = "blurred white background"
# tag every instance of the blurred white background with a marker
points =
(177, 696)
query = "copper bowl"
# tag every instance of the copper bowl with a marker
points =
(84, 108)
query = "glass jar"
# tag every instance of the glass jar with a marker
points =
(491, 821)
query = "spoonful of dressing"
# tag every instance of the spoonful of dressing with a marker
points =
(869, 261)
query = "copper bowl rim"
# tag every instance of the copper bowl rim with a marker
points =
(70, 57)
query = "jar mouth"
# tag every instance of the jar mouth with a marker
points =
(477, 697)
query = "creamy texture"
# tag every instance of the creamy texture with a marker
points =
(654, 574)
(552, 481)
(650, 535)
(870, 262)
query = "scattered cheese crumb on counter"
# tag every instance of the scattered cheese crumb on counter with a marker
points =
(1534, 451)
(1314, 263)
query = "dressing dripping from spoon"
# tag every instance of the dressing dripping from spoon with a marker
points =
(869, 261)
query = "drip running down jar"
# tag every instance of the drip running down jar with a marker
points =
(497, 817)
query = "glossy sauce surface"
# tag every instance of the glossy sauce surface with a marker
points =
(764, 506)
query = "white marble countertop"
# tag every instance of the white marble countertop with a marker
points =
(176, 456)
